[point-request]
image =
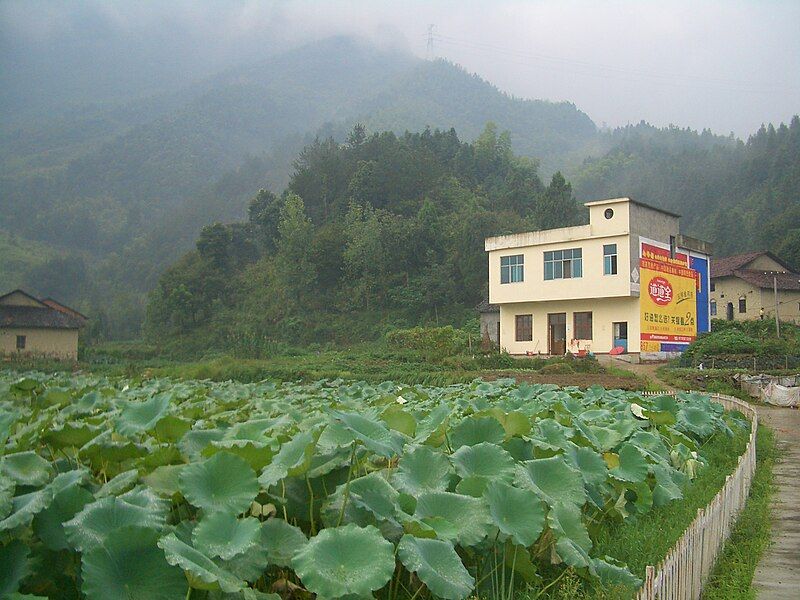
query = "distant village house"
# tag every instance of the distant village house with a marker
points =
(753, 286)
(38, 327)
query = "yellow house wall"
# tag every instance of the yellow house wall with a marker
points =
(605, 311)
(58, 343)
(730, 289)
(17, 299)
(593, 284)
(764, 263)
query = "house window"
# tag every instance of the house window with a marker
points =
(609, 212)
(609, 259)
(21, 339)
(713, 308)
(742, 304)
(523, 328)
(713, 287)
(582, 325)
(512, 268)
(563, 264)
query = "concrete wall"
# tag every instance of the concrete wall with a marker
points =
(57, 343)
(764, 263)
(489, 322)
(605, 311)
(730, 289)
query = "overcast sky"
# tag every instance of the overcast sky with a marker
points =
(725, 65)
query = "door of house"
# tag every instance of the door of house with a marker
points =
(557, 334)
(729, 311)
(620, 335)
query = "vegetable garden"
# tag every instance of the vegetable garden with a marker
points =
(161, 489)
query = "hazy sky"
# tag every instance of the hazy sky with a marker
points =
(726, 65)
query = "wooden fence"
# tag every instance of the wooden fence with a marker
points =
(685, 569)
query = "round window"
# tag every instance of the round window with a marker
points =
(609, 213)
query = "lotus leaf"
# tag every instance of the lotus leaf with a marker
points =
(25, 506)
(142, 416)
(484, 460)
(222, 534)
(573, 543)
(372, 433)
(614, 573)
(695, 420)
(474, 430)
(293, 458)
(198, 566)
(454, 516)
(165, 480)
(97, 521)
(223, 482)
(118, 484)
(518, 513)
(129, 565)
(48, 524)
(281, 541)
(437, 565)
(345, 560)
(14, 566)
(553, 480)
(632, 465)
(26, 468)
(422, 469)
(374, 493)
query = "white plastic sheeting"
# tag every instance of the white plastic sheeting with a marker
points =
(777, 390)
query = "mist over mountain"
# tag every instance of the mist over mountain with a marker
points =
(120, 182)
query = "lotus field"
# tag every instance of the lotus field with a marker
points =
(163, 489)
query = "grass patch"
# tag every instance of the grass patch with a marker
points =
(732, 577)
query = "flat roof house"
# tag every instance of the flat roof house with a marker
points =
(753, 286)
(38, 327)
(628, 281)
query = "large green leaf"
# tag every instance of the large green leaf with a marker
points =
(142, 416)
(474, 430)
(293, 458)
(454, 517)
(372, 433)
(553, 480)
(485, 460)
(632, 465)
(573, 543)
(348, 560)
(423, 469)
(281, 541)
(373, 493)
(437, 565)
(48, 524)
(199, 566)
(615, 574)
(102, 518)
(222, 534)
(14, 566)
(7, 487)
(518, 513)
(129, 565)
(222, 483)
(26, 468)
(25, 506)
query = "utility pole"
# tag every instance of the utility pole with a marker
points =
(429, 49)
(775, 290)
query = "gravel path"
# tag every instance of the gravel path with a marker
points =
(777, 575)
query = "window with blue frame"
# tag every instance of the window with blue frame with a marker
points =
(563, 264)
(609, 259)
(512, 268)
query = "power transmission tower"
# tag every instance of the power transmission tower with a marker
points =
(429, 49)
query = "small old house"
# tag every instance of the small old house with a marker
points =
(38, 327)
(754, 286)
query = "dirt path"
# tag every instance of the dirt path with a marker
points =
(777, 575)
(645, 370)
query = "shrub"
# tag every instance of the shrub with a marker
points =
(436, 341)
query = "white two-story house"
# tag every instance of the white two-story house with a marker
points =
(576, 289)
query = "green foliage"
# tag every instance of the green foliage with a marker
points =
(360, 484)
(437, 341)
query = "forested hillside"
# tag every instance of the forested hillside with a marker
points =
(739, 195)
(97, 199)
(380, 231)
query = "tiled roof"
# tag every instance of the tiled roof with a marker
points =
(485, 307)
(766, 279)
(724, 267)
(35, 316)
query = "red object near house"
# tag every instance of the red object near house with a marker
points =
(617, 350)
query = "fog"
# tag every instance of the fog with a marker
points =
(728, 66)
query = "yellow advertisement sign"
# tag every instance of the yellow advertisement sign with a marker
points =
(668, 306)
